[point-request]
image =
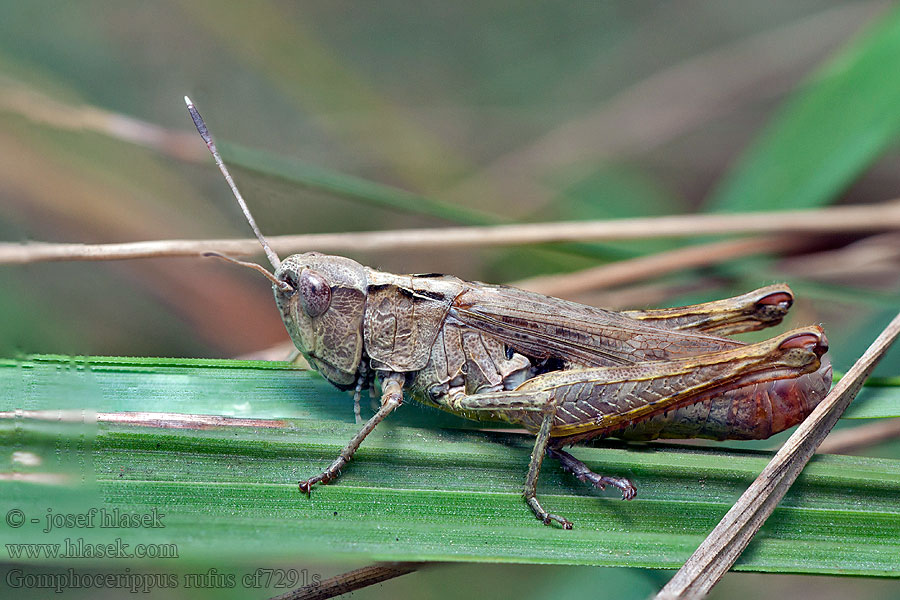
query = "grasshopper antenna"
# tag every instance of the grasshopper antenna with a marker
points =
(204, 133)
(283, 285)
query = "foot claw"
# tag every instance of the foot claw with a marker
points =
(306, 487)
(545, 517)
(549, 518)
(307, 484)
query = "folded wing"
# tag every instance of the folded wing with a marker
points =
(545, 327)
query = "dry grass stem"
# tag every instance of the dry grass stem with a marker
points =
(655, 265)
(875, 258)
(849, 440)
(21, 99)
(351, 581)
(724, 545)
(143, 419)
(842, 219)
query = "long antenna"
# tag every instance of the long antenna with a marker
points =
(283, 285)
(204, 133)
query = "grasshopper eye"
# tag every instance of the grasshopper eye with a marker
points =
(315, 293)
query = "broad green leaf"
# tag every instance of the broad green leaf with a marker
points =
(412, 493)
(834, 127)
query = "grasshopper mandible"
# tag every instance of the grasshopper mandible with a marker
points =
(567, 372)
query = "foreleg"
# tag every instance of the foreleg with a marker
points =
(391, 398)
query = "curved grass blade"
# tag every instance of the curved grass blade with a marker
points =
(834, 127)
(348, 186)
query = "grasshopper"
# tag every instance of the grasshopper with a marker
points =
(566, 372)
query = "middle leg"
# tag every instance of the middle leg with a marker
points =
(537, 401)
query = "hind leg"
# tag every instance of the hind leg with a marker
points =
(582, 472)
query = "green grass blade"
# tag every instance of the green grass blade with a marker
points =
(412, 492)
(879, 399)
(349, 186)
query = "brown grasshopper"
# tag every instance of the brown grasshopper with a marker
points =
(567, 372)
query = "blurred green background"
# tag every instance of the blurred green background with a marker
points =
(463, 113)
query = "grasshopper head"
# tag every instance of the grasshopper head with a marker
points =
(322, 306)
(322, 298)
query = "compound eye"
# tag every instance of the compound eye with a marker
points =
(315, 293)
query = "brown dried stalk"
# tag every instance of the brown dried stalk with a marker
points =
(351, 581)
(841, 219)
(654, 265)
(848, 440)
(19, 98)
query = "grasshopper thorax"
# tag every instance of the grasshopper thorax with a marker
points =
(323, 310)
